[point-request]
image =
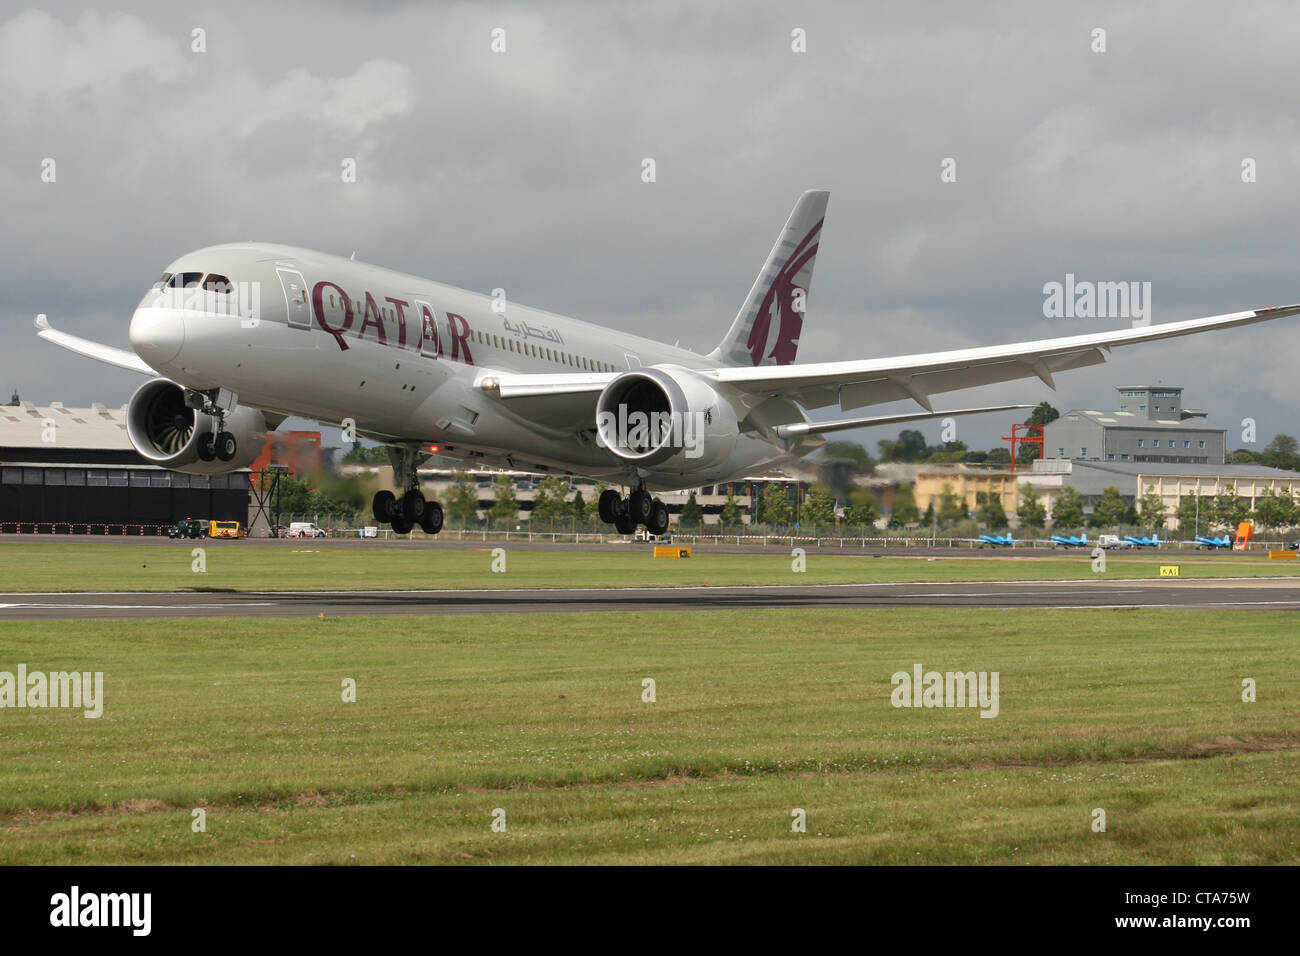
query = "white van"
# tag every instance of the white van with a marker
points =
(304, 529)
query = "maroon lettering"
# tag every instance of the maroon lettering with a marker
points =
(373, 318)
(459, 336)
(401, 319)
(318, 306)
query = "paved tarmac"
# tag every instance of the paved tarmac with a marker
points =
(1246, 593)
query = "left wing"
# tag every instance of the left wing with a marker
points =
(100, 353)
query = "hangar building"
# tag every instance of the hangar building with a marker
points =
(73, 470)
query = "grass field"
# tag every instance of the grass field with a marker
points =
(757, 713)
(298, 566)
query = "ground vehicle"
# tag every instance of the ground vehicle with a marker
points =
(1113, 542)
(225, 529)
(188, 528)
(304, 529)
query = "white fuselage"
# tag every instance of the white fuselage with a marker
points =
(403, 358)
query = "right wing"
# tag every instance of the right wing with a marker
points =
(855, 384)
(100, 353)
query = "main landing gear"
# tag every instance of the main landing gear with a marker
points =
(636, 509)
(220, 444)
(411, 508)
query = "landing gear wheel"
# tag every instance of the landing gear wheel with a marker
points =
(640, 504)
(384, 506)
(658, 518)
(207, 447)
(608, 505)
(431, 520)
(401, 526)
(624, 523)
(413, 506)
(226, 446)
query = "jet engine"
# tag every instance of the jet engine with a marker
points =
(667, 418)
(166, 431)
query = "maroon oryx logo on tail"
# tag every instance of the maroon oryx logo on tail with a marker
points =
(781, 296)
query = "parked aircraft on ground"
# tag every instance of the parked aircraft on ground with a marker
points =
(1206, 541)
(998, 540)
(1151, 542)
(244, 335)
(1070, 541)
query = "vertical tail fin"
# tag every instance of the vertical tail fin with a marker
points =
(766, 330)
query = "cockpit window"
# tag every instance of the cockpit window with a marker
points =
(216, 283)
(162, 283)
(184, 280)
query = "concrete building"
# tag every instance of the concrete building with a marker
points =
(1150, 424)
(968, 484)
(1171, 481)
(73, 470)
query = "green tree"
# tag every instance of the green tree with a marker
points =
(461, 504)
(692, 513)
(1111, 510)
(776, 506)
(1275, 511)
(905, 511)
(1043, 414)
(951, 508)
(1229, 509)
(998, 456)
(550, 502)
(1282, 452)
(591, 510)
(862, 510)
(1151, 509)
(819, 508)
(909, 446)
(731, 516)
(848, 451)
(505, 509)
(1030, 508)
(1195, 514)
(1068, 510)
(991, 513)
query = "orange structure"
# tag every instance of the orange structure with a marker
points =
(1033, 435)
(298, 452)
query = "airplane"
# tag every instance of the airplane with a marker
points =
(1151, 542)
(1203, 541)
(237, 337)
(1070, 541)
(997, 540)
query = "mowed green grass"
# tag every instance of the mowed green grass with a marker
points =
(757, 713)
(292, 565)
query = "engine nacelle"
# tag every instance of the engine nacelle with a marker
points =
(667, 418)
(165, 431)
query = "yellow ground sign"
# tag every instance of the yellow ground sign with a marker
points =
(1282, 555)
(671, 551)
(1170, 571)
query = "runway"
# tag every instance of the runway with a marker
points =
(1244, 593)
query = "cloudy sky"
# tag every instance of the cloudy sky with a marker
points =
(522, 170)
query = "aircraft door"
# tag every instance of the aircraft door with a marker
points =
(295, 297)
(429, 333)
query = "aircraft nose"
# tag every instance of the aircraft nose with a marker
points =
(157, 335)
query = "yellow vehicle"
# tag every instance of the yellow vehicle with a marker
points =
(225, 529)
